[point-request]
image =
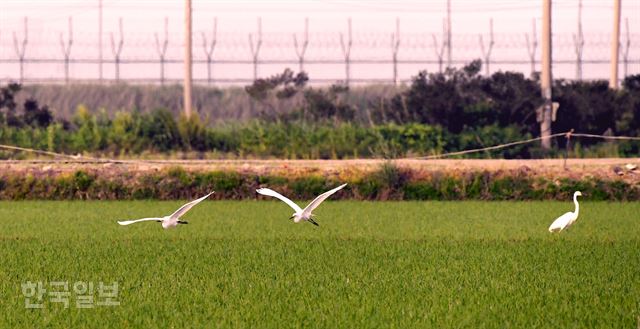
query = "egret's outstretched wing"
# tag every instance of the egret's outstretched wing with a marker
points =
(561, 222)
(317, 201)
(183, 210)
(127, 222)
(270, 192)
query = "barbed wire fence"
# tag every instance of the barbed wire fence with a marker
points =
(351, 56)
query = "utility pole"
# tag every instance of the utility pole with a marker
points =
(545, 82)
(187, 58)
(448, 33)
(100, 39)
(615, 45)
(578, 42)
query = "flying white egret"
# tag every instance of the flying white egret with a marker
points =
(172, 220)
(301, 214)
(567, 219)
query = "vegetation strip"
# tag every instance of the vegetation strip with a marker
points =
(388, 182)
(282, 117)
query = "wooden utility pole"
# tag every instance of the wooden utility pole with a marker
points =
(545, 82)
(615, 45)
(187, 58)
(578, 43)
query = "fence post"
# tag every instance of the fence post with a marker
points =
(395, 45)
(117, 50)
(66, 50)
(531, 47)
(255, 49)
(162, 50)
(625, 54)
(208, 49)
(346, 51)
(449, 37)
(487, 54)
(20, 51)
(440, 52)
(300, 51)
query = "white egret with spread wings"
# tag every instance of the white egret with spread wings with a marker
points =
(172, 220)
(301, 214)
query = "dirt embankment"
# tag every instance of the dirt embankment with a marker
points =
(602, 179)
(605, 169)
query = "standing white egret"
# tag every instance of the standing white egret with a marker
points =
(567, 219)
(172, 220)
(301, 214)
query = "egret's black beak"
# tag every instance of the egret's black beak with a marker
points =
(182, 222)
(292, 216)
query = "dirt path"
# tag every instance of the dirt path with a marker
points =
(611, 168)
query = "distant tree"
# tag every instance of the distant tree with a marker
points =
(271, 91)
(628, 102)
(328, 104)
(32, 114)
(586, 106)
(7, 102)
(511, 99)
(36, 116)
(437, 98)
(282, 86)
(458, 99)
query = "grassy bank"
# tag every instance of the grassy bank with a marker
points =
(388, 182)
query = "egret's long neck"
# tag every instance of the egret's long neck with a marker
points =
(575, 201)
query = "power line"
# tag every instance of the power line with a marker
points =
(567, 134)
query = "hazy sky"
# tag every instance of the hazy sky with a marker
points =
(468, 16)
(373, 22)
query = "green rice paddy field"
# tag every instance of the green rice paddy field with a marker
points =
(369, 264)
